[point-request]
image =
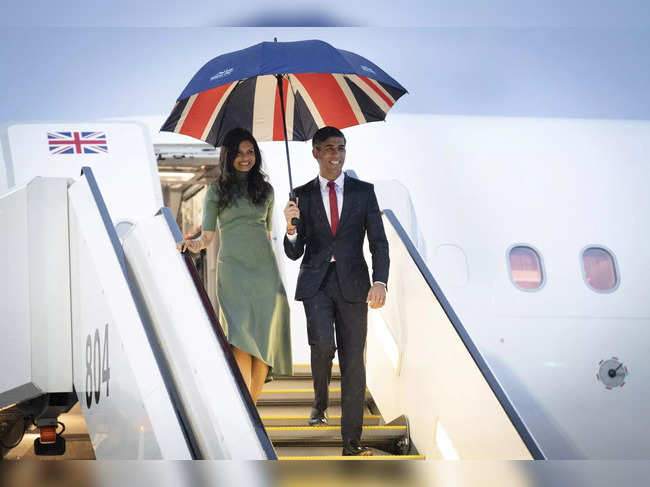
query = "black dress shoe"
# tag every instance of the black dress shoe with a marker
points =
(355, 449)
(317, 418)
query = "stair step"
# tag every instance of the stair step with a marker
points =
(360, 458)
(274, 411)
(284, 406)
(322, 452)
(298, 396)
(298, 410)
(331, 434)
(304, 370)
(296, 383)
(333, 420)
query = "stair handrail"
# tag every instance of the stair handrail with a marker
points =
(480, 362)
(253, 413)
(164, 367)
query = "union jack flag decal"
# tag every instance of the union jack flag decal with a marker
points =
(77, 142)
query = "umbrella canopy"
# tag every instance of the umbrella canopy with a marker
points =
(321, 85)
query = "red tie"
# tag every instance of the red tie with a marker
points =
(334, 207)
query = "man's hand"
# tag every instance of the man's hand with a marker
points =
(376, 296)
(291, 211)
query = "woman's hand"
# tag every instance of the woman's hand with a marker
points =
(193, 245)
(196, 244)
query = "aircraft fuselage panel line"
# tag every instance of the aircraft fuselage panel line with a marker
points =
(161, 360)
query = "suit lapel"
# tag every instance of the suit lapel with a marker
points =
(348, 199)
(317, 204)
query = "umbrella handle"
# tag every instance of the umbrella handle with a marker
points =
(292, 197)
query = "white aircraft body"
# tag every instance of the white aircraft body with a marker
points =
(516, 323)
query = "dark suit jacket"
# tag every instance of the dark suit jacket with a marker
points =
(360, 215)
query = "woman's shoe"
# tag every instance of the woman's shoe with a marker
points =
(317, 418)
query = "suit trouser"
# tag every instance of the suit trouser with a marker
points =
(329, 314)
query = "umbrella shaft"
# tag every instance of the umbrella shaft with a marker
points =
(284, 126)
(286, 146)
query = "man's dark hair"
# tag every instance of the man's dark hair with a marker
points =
(324, 133)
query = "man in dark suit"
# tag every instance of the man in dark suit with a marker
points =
(335, 213)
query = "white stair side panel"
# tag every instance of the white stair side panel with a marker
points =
(15, 320)
(35, 349)
(208, 389)
(49, 284)
(129, 415)
(417, 365)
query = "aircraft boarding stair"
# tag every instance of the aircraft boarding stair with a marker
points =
(284, 407)
(171, 388)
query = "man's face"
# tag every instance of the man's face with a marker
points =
(330, 155)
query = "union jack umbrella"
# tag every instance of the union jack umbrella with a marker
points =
(282, 91)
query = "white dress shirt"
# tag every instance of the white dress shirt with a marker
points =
(325, 195)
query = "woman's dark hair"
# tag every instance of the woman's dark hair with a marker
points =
(257, 188)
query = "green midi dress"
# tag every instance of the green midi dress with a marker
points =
(254, 310)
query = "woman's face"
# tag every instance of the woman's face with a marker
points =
(245, 158)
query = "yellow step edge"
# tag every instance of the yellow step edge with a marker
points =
(285, 391)
(321, 428)
(374, 457)
(309, 365)
(365, 416)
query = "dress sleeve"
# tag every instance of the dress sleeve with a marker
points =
(269, 211)
(210, 210)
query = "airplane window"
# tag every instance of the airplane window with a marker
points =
(525, 267)
(599, 269)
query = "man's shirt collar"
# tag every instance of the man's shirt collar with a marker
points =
(338, 181)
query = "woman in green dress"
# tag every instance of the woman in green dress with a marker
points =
(252, 300)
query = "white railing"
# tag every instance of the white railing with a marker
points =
(421, 363)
